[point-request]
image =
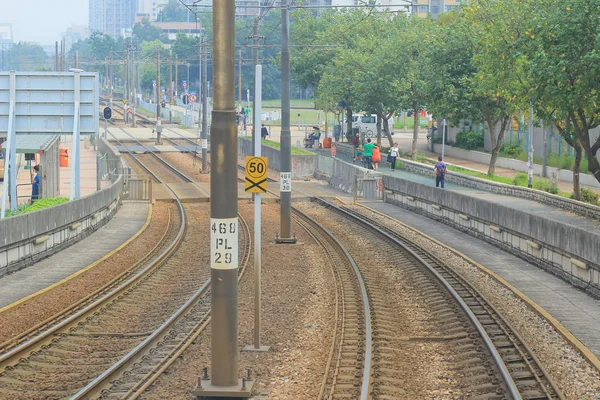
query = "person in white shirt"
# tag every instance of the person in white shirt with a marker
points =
(394, 151)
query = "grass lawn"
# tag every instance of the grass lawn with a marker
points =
(293, 103)
(277, 145)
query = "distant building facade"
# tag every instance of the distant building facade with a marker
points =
(74, 34)
(149, 8)
(111, 17)
(171, 29)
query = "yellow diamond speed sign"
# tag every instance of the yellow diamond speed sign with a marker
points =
(256, 174)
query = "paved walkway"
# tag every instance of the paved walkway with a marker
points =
(126, 223)
(577, 311)
(518, 203)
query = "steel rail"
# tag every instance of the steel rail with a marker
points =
(7, 357)
(505, 373)
(129, 358)
(366, 378)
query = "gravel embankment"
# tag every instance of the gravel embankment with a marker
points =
(32, 312)
(571, 372)
(297, 322)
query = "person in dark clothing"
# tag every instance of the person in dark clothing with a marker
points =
(264, 133)
(440, 172)
(35, 186)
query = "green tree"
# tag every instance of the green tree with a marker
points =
(500, 82)
(564, 52)
(173, 11)
(24, 56)
(146, 32)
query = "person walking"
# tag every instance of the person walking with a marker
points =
(35, 186)
(376, 157)
(263, 131)
(368, 153)
(356, 144)
(440, 172)
(394, 155)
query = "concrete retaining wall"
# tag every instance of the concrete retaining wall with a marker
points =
(303, 165)
(517, 165)
(576, 207)
(27, 238)
(566, 251)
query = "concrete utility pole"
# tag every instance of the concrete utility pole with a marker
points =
(176, 77)
(255, 50)
(285, 177)
(223, 212)
(57, 59)
(240, 78)
(76, 55)
(158, 87)
(530, 155)
(170, 78)
(204, 133)
(111, 78)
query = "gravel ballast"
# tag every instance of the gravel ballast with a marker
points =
(34, 311)
(297, 322)
(576, 377)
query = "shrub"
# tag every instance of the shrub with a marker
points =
(520, 179)
(469, 140)
(511, 150)
(588, 196)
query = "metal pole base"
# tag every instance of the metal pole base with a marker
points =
(206, 390)
(280, 240)
(260, 349)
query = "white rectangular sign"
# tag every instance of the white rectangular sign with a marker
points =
(205, 143)
(224, 243)
(45, 103)
(285, 182)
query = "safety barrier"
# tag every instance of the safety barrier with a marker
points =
(27, 238)
(565, 250)
(459, 179)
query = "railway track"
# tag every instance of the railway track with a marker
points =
(131, 375)
(96, 341)
(350, 353)
(490, 360)
(493, 359)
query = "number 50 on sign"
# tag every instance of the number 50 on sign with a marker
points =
(256, 174)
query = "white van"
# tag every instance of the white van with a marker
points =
(368, 125)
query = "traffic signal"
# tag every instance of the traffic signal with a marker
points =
(185, 99)
(107, 113)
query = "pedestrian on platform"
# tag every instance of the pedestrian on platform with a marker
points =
(394, 155)
(263, 131)
(368, 153)
(356, 144)
(376, 157)
(440, 172)
(35, 186)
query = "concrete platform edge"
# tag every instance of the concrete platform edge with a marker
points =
(85, 269)
(565, 333)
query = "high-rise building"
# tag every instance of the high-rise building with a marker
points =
(74, 34)
(112, 17)
(151, 8)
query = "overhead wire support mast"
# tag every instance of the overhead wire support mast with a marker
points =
(224, 216)
(285, 178)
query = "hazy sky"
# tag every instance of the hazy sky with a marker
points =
(42, 21)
